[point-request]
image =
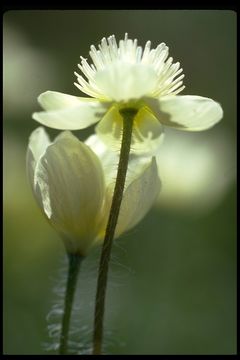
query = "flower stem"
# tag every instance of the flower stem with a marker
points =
(128, 115)
(73, 270)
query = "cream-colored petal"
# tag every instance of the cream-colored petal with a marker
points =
(147, 131)
(141, 189)
(38, 143)
(66, 112)
(54, 100)
(138, 198)
(69, 179)
(109, 129)
(187, 112)
(109, 159)
(123, 81)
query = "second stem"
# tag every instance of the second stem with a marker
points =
(73, 270)
(128, 115)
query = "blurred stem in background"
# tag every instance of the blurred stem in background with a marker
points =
(73, 271)
(128, 117)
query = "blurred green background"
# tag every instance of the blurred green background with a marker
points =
(172, 287)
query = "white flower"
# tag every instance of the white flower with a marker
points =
(73, 187)
(126, 76)
(196, 171)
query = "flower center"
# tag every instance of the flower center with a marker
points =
(125, 72)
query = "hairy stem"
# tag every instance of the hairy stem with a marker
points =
(73, 270)
(128, 115)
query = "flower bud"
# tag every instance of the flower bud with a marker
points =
(68, 184)
(73, 185)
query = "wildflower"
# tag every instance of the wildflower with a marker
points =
(73, 187)
(196, 171)
(126, 76)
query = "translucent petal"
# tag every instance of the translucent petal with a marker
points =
(147, 131)
(123, 81)
(66, 112)
(109, 129)
(109, 159)
(138, 198)
(141, 190)
(38, 143)
(187, 112)
(70, 181)
(53, 100)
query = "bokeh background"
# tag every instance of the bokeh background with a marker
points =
(172, 287)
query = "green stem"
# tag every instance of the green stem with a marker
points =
(73, 270)
(128, 115)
